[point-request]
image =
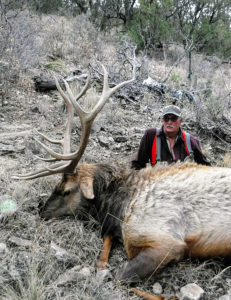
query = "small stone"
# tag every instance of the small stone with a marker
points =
(19, 242)
(8, 205)
(121, 139)
(75, 274)
(157, 288)
(84, 272)
(68, 277)
(191, 291)
(225, 297)
(3, 249)
(103, 275)
(63, 255)
(104, 141)
(139, 130)
(228, 280)
(123, 102)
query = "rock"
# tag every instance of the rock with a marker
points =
(6, 149)
(116, 147)
(191, 291)
(3, 249)
(73, 275)
(228, 280)
(62, 255)
(105, 141)
(139, 130)
(120, 139)
(84, 273)
(225, 297)
(13, 272)
(35, 110)
(19, 242)
(157, 288)
(8, 205)
(97, 125)
(154, 84)
(22, 261)
(103, 275)
(68, 277)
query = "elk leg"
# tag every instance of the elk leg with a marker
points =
(104, 255)
(149, 261)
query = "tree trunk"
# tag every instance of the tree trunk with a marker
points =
(189, 64)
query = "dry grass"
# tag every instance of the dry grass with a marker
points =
(31, 272)
(74, 43)
(227, 160)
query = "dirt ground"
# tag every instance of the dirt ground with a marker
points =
(31, 264)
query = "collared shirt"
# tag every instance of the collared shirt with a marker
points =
(169, 146)
(144, 153)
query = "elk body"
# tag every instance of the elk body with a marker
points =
(160, 214)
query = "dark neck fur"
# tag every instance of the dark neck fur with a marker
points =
(110, 198)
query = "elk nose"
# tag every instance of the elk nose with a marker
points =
(42, 212)
(41, 206)
(45, 215)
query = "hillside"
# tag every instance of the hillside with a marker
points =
(56, 259)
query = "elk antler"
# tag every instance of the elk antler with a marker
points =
(68, 161)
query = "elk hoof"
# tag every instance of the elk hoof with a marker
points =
(101, 264)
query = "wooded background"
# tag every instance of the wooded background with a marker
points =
(201, 26)
(182, 49)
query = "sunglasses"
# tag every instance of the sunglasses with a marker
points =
(167, 118)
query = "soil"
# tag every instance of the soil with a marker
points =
(30, 266)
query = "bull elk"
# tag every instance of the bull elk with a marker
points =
(161, 214)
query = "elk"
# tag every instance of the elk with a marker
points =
(161, 214)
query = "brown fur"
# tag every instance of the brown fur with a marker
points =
(104, 255)
(161, 214)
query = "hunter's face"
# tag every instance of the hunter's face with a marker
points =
(171, 123)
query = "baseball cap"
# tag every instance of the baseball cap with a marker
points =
(172, 109)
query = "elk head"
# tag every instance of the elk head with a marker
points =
(76, 181)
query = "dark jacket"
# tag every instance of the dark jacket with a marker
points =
(145, 150)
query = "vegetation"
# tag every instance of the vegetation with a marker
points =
(53, 38)
(202, 26)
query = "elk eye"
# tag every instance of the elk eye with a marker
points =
(66, 193)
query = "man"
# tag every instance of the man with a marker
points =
(170, 143)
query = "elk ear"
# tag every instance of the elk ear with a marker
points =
(86, 186)
(70, 182)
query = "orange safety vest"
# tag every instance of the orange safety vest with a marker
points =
(156, 146)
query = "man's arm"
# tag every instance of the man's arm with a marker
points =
(199, 157)
(143, 155)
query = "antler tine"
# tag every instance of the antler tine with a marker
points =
(70, 160)
(87, 118)
(65, 142)
(107, 91)
(48, 139)
(84, 90)
(60, 167)
(45, 159)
